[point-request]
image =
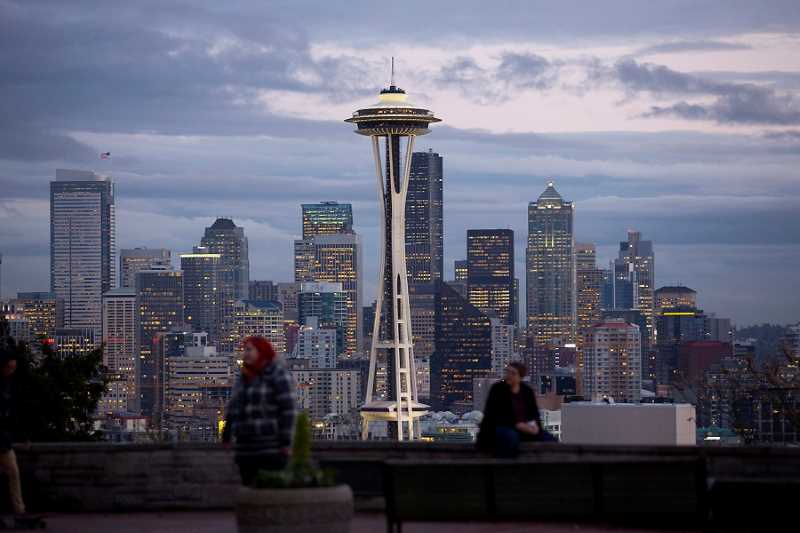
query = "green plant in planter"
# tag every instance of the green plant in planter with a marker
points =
(301, 472)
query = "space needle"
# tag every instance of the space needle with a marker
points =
(392, 125)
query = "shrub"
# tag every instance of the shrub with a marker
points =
(301, 472)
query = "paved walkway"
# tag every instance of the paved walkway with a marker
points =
(224, 522)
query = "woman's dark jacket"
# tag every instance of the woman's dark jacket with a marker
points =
(260, 413)
(499, 412)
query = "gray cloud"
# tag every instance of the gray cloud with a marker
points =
(515, 72)
(777, 79)
(526, 71)
(742, 103)
(140, 71)
(787, 135)
(176, 93)
(690, 46)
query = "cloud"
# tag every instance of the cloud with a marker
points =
(733, 103)
(234, 108)
(690, 46)
(31, 144)
(526, 71)
(499, 82)
(787, 135)
(170, 73)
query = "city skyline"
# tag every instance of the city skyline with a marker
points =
(709, 189)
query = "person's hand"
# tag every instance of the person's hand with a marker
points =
(524, 427)
(286, 451)
(530, 428)
(26, 445)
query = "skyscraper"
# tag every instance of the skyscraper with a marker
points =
(674, 296)
(159, 302)
(327, 218)
(71, 342)
(490, 272)
(396, 122)
(462, 351)
(589, 281)
(675, 326)
(264, 291)
(202, 291)
(612, 365)
(326, 304)
(132, 260)
(550, 266)
(638, 258)
(197, 384)
(335, 259)
(82, 245)
(460, 270)
(424, 218)
(316, 344)
(120, 351)
(287, 297)
(502, 347)
(255, 318)
(43, 311)
(227, 239)
(325, 391)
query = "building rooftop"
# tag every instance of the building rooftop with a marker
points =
(676, 288)
(223, 223)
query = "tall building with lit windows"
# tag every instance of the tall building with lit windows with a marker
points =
(203, 291)
(82, 245)
(335, 259)
(460, 275)
(120, 351)
(132, 260)
(550, 269)
(263, 291)
(490, 272)
(460, 270)
(462, 350)
(197, 384)
(254, 318)
(612, 364)
(43, 311)
(159, 302)
(674, 296)
(424, 218)
(327, 218)
(634, 269)
(589, 282)
(227, 239)
(326, 304)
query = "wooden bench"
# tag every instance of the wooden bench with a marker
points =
(656, 493)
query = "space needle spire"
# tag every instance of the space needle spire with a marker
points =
(392, 125)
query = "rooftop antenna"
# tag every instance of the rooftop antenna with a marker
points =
(391, 79)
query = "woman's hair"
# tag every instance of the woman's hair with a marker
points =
(266, 352)
(521, 369)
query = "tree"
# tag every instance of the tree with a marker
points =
(57, 396)
(740, 392)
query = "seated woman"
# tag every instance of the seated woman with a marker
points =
(511, 415)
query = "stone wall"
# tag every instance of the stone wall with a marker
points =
(135, 477)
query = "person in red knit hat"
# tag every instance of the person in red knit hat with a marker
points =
(260, 414)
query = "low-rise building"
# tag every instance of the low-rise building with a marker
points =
(625, 424)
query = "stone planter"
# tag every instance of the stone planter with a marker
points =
(308, 510)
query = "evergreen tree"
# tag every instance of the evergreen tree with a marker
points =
(57, 396)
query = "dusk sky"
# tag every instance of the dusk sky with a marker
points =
(680, 119)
